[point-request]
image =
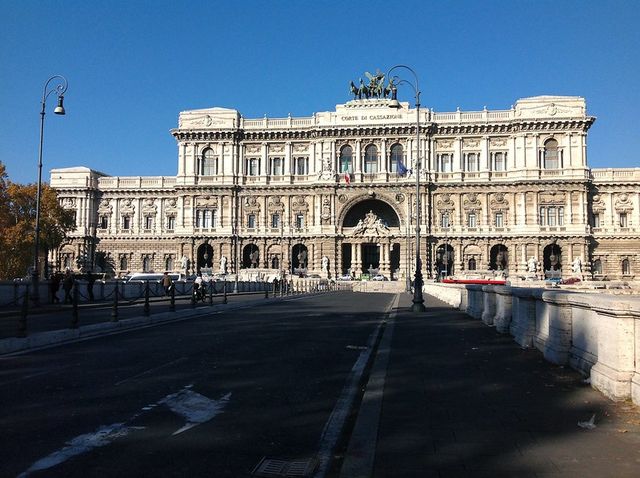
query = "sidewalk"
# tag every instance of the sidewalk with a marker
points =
(462, 400)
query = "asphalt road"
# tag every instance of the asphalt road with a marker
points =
(210, 396)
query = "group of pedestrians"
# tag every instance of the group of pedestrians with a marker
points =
(68, 280)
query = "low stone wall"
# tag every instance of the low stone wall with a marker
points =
(596, 333)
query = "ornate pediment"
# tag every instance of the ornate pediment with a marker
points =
(623, 203)
(127, 206)
(149, 206)
(275, 204)
(105, 208)
(299, 204)
(471, 201)
(553, 197)
(207, 201)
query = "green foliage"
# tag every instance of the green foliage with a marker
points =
(17, 225)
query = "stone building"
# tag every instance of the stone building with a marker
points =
(501, 192)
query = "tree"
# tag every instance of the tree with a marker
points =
(17, 224)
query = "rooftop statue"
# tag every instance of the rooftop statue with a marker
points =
(375, 89)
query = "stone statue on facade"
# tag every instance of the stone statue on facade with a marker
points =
(576, 266)
(223, 265)
(370, 225)
(302, 259)
(532, 265)
(184, 263)
(254, 257)
(325, 264)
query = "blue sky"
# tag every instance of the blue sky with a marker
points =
(132, 66)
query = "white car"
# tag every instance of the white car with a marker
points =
(379, 277)
(344, 277)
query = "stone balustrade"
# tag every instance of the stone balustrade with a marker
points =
(593, 332)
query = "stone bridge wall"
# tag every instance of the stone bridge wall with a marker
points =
(595, 333)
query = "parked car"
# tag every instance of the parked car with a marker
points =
(152, 277)
(379, 277)
(344, 277)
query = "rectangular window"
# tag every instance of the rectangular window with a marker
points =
(623, 220)
(543, 216)
(499, 160)
(253, 166)
(472, 162)
(499, 220)
(446, 163)
(276, 166)
(561, 216)
(126, 222)
(251, 221)
(275, 220)
(596, 220)
(551, 216)
(444, 221)
(104, 222)
(471, 219)
(301, 166)
(299, 221)
(171, 223)
(148, 222)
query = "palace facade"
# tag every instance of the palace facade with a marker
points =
(335, 193)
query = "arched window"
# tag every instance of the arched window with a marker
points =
(124, 263)
(626, 267)
(551, 154)
(471, 265)
(208, 163)
(371, 159)
(346, 159)
(597, 266)
(397, 158)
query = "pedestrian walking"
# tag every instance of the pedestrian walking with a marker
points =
(90, 282)
(54, 285)
(67, 285)
(166, 283)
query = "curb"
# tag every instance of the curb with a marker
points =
(360, 457)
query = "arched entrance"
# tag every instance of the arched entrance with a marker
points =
(299, 258)
(250, 256)
(445, 257)
(204, 257)
(499, 258)
(371, 228)
(552, 257)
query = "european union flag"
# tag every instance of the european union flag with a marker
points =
(401, 168)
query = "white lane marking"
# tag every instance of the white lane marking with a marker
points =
(335, 424)
(81, 444)
(195, 408)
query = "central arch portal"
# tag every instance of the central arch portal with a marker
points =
(372, 239)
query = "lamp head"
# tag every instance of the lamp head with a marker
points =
(394, 97)
(60, 108)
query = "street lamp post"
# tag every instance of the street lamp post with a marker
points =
(60, 90)
(418, 299)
